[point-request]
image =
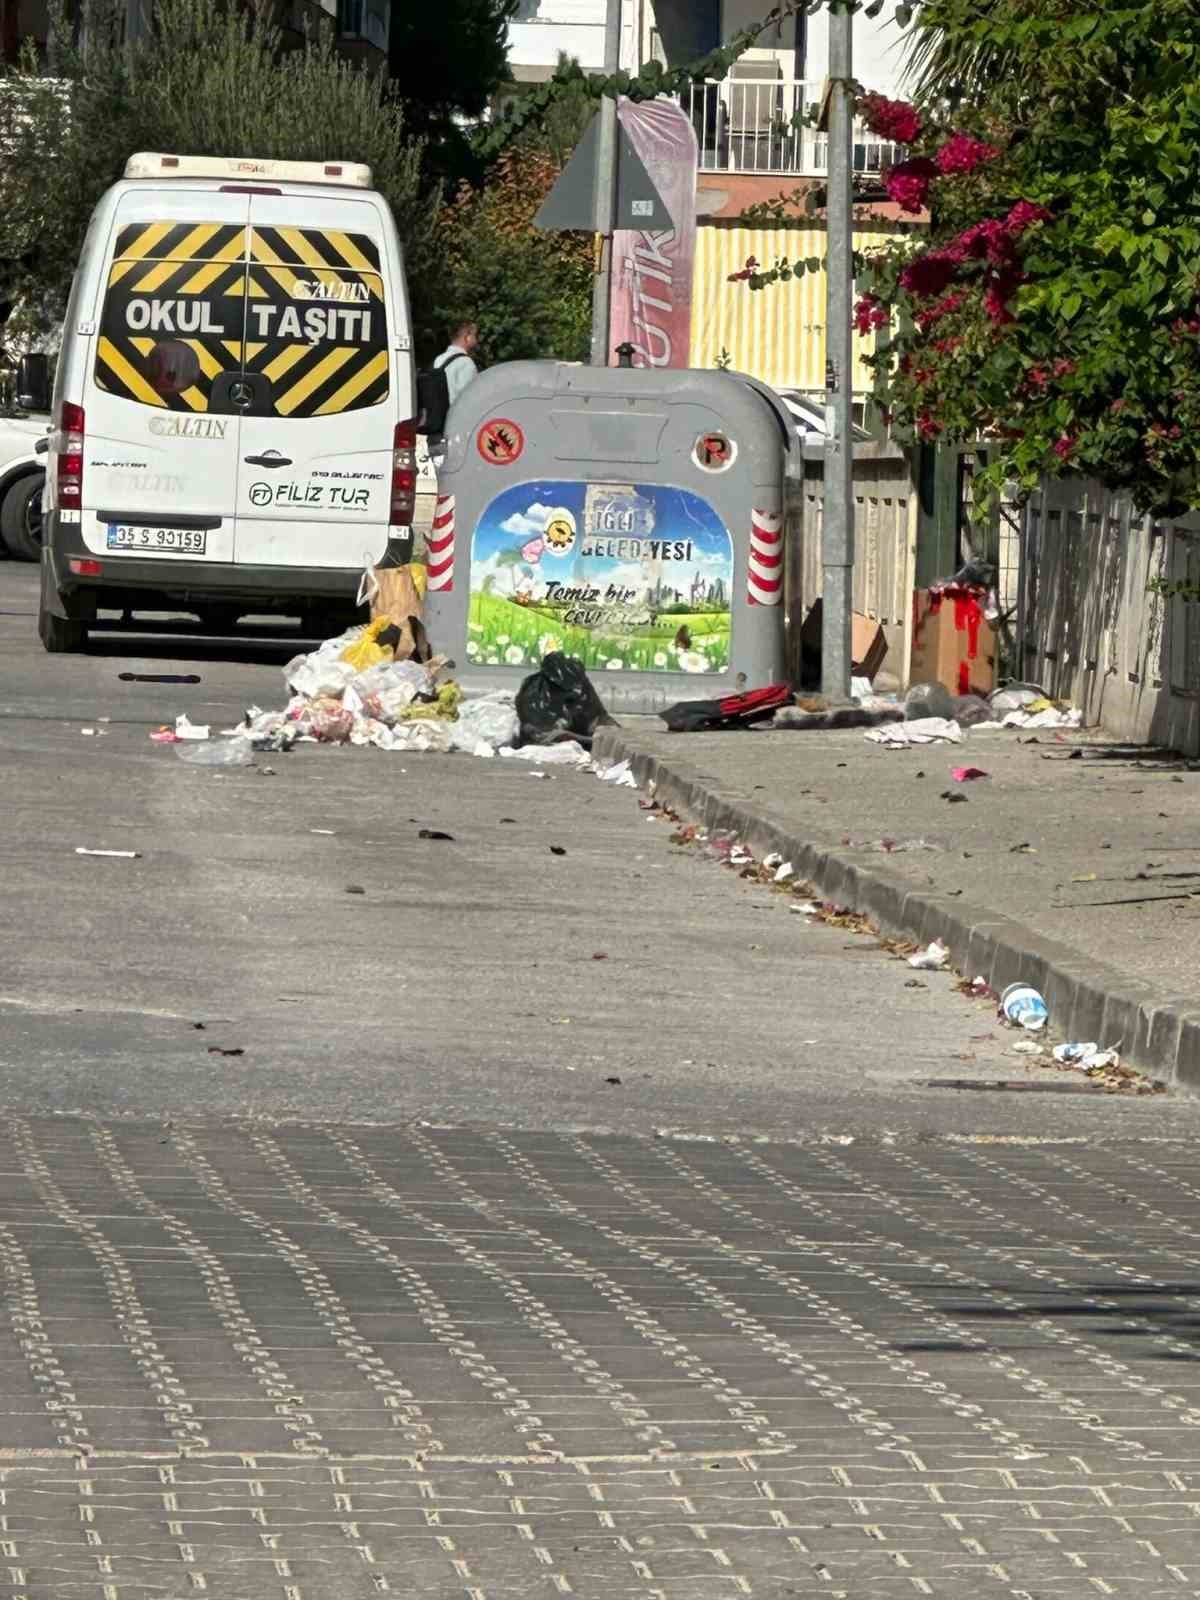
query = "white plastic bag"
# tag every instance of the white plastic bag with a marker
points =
(490, 721)
(567, 753)
(316, 674)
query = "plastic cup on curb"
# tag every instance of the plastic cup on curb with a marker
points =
(1024, 1007)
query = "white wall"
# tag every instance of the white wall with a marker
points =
(545, 28)
(879, 47)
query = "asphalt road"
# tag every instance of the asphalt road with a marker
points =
(409, 1297)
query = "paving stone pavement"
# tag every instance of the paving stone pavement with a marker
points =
(316, 1361)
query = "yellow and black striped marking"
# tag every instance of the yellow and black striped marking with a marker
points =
(303, 308)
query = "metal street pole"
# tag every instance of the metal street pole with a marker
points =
(606, 191)
(837, 533)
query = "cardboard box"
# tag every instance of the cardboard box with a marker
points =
(868, 642)
(953, 642)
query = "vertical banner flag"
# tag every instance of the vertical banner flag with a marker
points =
(652, 271)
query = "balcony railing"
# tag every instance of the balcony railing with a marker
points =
(761, 124)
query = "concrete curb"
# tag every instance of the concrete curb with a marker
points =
(1157, 1031)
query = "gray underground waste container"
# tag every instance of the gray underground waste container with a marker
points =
(630, 517)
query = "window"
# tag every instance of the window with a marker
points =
(173, 314)
(316, 320)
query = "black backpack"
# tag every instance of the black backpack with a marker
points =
(433, 395)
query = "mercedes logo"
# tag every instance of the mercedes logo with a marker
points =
(241, 394)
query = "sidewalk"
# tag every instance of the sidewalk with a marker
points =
(1077, 873)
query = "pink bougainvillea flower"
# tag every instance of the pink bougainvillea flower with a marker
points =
(1023, 215)
(988, 240)
(928, 274)
(961, 153)
(907, 183)
(927, 425)
(1064, 448)
(941, 308)
(896, 120)
(997, 295)
(870, 313)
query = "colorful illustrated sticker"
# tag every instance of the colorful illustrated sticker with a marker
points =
(628, 577)
(501, 442)
(715, 452)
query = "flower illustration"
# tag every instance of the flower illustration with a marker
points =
(615, 665)
(514, 655)
(472, 648)
(660, 658)
(693, 661)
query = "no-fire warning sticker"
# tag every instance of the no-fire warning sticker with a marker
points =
(501, 442)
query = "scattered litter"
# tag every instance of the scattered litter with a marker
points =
(88, 733)
(1084, 877)
(783, 872)
(613, 1081)
(557, 850)
(185, 729)
(165, 735)
(232, 753)
(1016, 697)
(925, 730)
(218, 1050)
(159, 677)
(773, 860)
(1024, 1007)
(122, 855)
(600, 955)
(435, 833)
(620, 773)
(932, 959)
(328, 832)
(569, 753)
(954, 799)
(355, 888)
(806, 908)
(978, 989)
(928, 702)
(1089, 1057)
(1073, 1054)
(890, 846)
(915, 983)
(967, 774)
(1022, 850)
(1027, 1047)
(971, 711)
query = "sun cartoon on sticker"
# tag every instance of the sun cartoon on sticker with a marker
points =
(560, 532)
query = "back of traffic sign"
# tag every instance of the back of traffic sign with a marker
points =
(571, 204)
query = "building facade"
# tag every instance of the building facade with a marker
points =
(754, 145)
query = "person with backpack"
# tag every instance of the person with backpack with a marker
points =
(440, 385)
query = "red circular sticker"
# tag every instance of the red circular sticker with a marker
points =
(501, 442)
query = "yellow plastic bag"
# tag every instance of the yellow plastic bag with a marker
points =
(367, 651)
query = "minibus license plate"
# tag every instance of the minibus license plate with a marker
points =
(190, 541)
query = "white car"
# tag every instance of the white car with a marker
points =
(809, 415)
(22, 478)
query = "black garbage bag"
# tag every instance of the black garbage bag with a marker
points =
(559, 702)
